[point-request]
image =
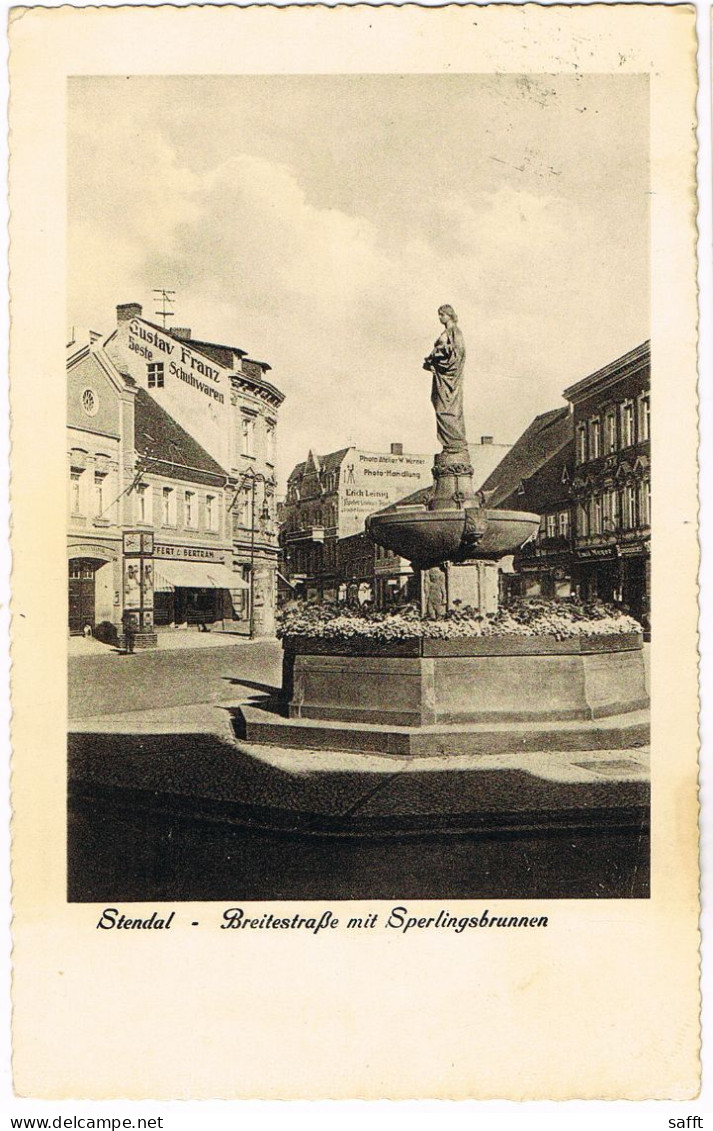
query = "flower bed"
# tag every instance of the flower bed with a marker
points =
(533, 618)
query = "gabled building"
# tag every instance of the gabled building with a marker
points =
(223, 403)
(149, 528)
(536, 476)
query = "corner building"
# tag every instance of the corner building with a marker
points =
(193, 457)
(611, 483)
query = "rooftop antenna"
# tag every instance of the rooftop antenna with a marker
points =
(166, 298)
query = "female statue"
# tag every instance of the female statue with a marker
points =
(446, 362)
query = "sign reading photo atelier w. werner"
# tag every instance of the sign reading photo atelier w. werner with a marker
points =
(423, 824)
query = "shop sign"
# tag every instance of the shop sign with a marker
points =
(186, 365)
(598, 553)
(189, 553)
(370, 481)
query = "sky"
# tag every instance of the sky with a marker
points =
(318, 222)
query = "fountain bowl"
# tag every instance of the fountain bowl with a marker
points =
(430, 537)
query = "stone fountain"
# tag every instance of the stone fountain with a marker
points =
(426, 695)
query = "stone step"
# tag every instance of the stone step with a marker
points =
(617, 732)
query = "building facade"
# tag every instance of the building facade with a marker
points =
(186, 431)
(325, 552)
(585, 468)
(611, 482)
(536, 476)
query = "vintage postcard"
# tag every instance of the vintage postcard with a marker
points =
(354, 427)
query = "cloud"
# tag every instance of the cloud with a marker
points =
(341, 300)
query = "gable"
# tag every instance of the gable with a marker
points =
(92, 399)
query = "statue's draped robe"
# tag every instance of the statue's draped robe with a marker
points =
(447, 362)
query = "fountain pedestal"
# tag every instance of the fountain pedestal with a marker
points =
(473, 584)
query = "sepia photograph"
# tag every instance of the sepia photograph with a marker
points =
(355, 552)
(358, 469)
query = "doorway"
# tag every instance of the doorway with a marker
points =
(81, 594)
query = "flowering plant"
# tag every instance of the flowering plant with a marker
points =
(524, 617)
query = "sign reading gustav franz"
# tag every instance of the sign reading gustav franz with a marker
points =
(372, 480)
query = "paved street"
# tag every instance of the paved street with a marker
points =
(167, 802)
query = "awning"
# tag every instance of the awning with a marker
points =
(195, 575)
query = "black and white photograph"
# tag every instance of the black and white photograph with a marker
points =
(359, 480)
(354, 434)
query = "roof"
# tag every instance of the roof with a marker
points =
(633, 360)
(548, 488)
(322, 463)
(548, 432)
(159, 437)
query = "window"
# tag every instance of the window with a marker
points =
(75, 486)
(596, 515)
(627, 424)
(190, 508)
(615, 515)
(248, 426)
(644, 417)
(644, 503)
(563, 524)
(168, 513)
(582, 443)
(610, 432)
(99, 493)
(270, 442)
(245, 509)
(143, 503)
(211, 512)
(629, 501)
(595, 438)
(155, 374)
(551, 525)
(90, 402)
(582, 520)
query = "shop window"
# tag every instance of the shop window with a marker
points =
(100, 500)
(143, 503)
(610, 432)
(582, 443)
(644, 422)
(75, 490)
(248, 435)
(168, 506)
(595, 438)
(155, 374)
(627, 424)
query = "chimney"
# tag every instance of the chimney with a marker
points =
(183, 333)
(397, 449)
(486, 439)
(128, 310)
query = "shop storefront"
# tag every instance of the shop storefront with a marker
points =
(193, 585)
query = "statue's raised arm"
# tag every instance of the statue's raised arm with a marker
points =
(446, 362)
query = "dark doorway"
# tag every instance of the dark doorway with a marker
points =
(81, 594)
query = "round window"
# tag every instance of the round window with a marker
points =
(90, 402)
